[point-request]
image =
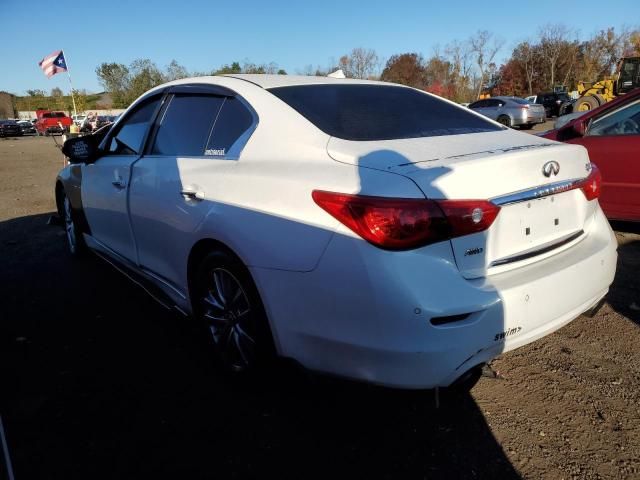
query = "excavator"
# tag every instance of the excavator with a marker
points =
(625, 79)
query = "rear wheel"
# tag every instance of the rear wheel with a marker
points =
(586, 103)
(227, 302)
(504, 120)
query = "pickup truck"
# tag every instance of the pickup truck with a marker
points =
(52, 122)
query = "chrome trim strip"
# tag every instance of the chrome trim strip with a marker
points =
(538, 251)
(537, 192)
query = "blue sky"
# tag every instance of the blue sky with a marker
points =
(201, 35)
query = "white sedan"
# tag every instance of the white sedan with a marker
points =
(363, 229)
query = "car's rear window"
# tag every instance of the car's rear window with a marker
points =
(379, 112)
(520, 101)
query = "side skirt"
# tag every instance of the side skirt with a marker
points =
(148, 282)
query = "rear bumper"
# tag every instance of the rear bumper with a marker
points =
(367, 314)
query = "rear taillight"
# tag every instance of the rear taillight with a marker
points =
(524, 107)
(592, 185)
(406, 223)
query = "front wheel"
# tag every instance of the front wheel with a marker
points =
(75, 241)
(226, 300)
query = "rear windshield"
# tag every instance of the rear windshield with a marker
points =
(379, 112)
(521, 101)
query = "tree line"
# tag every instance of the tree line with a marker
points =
(462, 70)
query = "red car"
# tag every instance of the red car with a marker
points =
(52, 122)
(611, 134)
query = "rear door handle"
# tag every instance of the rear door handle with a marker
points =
(189, 194)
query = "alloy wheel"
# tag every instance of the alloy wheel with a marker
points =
(69, 226)
(228, 314)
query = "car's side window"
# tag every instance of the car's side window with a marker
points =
(127, 140)
(623, 121)
(231, 130)
(186, 125)
(478, 104)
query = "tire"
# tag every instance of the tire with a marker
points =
(526, 126)
(504, 120)
(601, 100)
(226, 302)
(75, 241)
(586, 103)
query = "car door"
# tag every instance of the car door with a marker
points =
(613, 142)
(198, 139)
(480, 106)
(105, 182)
(492, 110)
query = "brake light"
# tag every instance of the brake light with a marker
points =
(525, 107)
(592, 185)
(406, 223)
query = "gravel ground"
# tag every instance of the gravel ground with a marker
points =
(98, 381)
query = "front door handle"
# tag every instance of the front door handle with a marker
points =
(119, 184)
(189, 194)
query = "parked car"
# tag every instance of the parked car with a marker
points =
(52, 122)
(611, 134)
(552, 101)
(364, 229)
(27, 127)
(79, 119)
(10, 128)
(510, 111)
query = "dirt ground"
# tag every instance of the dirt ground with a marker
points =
(98, 381)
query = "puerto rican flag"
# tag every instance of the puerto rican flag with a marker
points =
(53, 63)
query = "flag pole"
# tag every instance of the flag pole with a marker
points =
(75, 112)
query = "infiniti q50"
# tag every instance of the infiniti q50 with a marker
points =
(363, 229)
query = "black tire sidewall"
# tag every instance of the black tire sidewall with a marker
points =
(266, 352)
(506, 121)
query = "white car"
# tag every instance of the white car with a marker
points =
(79, 119)
(363, 229)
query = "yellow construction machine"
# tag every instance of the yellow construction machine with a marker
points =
(594, 94)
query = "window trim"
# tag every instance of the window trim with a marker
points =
(204, 89)
(104, 151)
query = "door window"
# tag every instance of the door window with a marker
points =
(128, 139)
(231, 130)
(623, 121)
(479, 104)
(186, 125)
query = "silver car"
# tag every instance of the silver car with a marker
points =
(511, 111)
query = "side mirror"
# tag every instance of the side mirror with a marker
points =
(81, 149)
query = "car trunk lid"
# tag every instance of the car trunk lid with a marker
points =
(539, 214)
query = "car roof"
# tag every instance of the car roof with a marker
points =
(272, 81)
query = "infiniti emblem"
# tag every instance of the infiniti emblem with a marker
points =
(551, 168)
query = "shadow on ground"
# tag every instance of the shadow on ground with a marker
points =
(623, 295)
(101, 382)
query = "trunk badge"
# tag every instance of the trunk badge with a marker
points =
(551, 168)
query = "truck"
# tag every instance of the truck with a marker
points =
(51, 122)
(625, 79)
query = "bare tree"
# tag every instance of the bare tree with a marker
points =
(527, 55)
(484, 47)
(553, 39)
(459, 56)
(360, 63)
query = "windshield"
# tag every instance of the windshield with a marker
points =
(520, 101)
(379, 112)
